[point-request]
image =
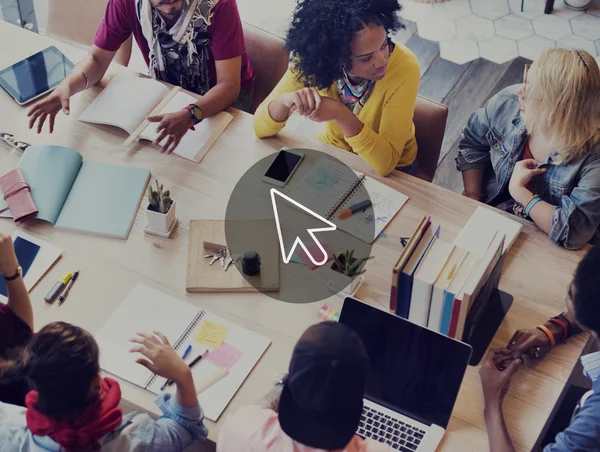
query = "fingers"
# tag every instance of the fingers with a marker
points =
(299, 102)
(147, 364)
(530, 163)
(538, 171)
(141, 349)
(512, 368)
(156, 118)
(310, 102)
(317, 98)
(162, 337)
(149, 337)
(33, 118)
(168, 144)
(173, 146)
(65, 106)
(41, 121)
(161, 136)
(51, 122)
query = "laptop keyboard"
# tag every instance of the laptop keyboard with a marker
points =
(386, 429)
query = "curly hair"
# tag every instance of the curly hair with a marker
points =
(322, 31)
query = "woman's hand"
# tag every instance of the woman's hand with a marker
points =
(49, 108)
(524, 171)
(172, 126)
(496, 372)
(533, 343)
(164, 361)
(305, 101)
(328, 111)
(8, 258)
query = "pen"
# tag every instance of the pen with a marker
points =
(354, 208)
(169, 382)
(58, 287)
(68, 288)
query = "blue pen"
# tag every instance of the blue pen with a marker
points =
(185, 355)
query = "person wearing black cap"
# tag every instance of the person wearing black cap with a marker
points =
(320, 404)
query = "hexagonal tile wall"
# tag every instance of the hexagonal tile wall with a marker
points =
(475, 28)
(513, 27)
(459, 50)
(454, 9)
(498, 50)
(490, 10)
(533, 46)
(551, 27)
(586, 26)
(577, 42)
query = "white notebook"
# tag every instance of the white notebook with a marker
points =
(146, 310)
(126, 102)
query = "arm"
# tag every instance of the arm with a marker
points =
(383, 151)
(18, 297)
(497, 432)
(227, 89)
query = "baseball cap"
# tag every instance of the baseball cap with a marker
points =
(322, 398)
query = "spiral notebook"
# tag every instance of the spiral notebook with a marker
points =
(147, 310)
(329, 187)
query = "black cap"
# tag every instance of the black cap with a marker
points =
(322, 398)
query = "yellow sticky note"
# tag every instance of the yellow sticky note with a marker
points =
(211, 334)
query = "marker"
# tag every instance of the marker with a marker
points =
(187, 351)
(353, 209)
(190, 365)
(58, 287)
(65, 293)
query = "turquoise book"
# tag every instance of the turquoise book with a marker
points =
(78, 195)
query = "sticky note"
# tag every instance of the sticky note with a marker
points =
(211, 334)
(225, 356)
(316, 253)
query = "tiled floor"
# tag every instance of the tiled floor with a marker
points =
(498, 31)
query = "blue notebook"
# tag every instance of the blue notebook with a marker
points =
(70, 193)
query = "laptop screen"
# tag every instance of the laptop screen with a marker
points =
(414, 371)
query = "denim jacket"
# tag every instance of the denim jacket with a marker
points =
(176, 429)
(494, 139)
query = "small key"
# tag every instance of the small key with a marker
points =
(215, 257)
(228, 262)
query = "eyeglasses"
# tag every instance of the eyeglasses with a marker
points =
(525, 72)
(9, 139)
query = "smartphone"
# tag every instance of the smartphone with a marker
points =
(283, 167)
(26, 253)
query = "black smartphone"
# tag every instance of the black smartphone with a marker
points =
(26, 253)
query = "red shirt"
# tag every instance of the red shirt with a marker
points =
(227, 36)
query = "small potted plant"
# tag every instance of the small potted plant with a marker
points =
(347, 272)
(160, 211)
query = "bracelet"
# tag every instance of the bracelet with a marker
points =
(472, 194)
(567, 322)
(531, 203)
(544, 329)
(563, 326)
(85, 77)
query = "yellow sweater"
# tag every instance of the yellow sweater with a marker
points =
(388, 138)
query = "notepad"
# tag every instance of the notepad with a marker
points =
(79, 195)
(147, 310)
(329, 187)
(211, 334)
(126, 102)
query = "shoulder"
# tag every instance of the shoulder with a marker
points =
(505, 103)
(403, 65)
(222, 8)
(250, 423)
(13, 428)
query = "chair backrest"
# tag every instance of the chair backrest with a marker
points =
(430, 124)
(269, 59)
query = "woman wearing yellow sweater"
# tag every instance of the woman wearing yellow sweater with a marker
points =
(348, 73)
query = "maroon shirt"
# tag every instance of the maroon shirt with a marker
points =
(13, 333)
(227, 36)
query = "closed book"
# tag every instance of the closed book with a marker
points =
(404, 256)
(441, 284)
(426, 274)
(454, 289)
(405, 279)
(480, 230)
(457, 288)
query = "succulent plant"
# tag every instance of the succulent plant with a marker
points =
(349, 265)
(160, 201)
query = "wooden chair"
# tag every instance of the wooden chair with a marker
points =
(430, 124)
(269, 59)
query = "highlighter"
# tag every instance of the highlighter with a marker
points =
(58, 287)
(353, 209)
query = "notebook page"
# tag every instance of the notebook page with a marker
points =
(125, 102)
(386, 202)
(144, 310)
(195, 143)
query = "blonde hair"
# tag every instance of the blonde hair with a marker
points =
(563, 101)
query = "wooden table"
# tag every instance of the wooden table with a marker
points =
(536, 272)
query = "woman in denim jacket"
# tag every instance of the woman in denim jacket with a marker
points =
(534, 149)
(72, 408)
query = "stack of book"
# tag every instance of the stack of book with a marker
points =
(444, 286)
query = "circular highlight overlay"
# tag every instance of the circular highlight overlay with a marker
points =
(296, 230)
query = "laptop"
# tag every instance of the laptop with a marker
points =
(414, 378)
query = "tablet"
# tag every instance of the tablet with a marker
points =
(35, 76)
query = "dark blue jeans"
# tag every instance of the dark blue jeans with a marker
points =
(411, 169)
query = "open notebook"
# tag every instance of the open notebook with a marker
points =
(146, 310)
(126, 102)
(329, 187)
(78, 195)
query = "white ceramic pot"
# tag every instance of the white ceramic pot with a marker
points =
(161, 222)
(578, 5)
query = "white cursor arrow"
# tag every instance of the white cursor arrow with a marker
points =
(330, 227)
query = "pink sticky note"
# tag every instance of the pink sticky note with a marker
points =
(316, 253)
(225, 356)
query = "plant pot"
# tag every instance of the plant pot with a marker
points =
(160, 222)
(338, 282)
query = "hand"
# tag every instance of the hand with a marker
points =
(496, 371)
(328, 111)
(305, 101)
(533, 343)
(49, 107)
(8, 258)
(524, 171)
(172, 126)
(164, 361)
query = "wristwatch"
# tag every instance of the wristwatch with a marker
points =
(196, 113)
(15, 276)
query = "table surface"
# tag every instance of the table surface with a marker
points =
(536, 272)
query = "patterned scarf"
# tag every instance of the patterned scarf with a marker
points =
(179, 55)
(354, 96)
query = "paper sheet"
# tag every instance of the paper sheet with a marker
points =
(225, 356)
(211, 334)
